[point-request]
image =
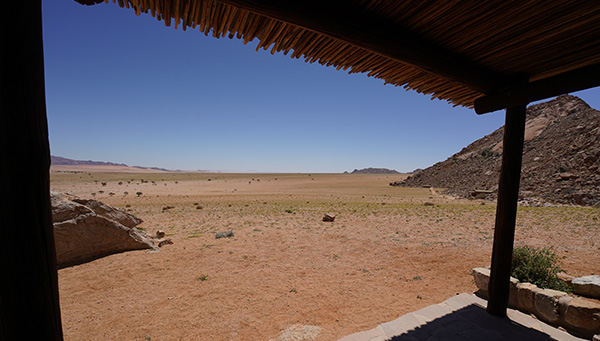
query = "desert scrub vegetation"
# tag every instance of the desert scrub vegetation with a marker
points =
(537, 266)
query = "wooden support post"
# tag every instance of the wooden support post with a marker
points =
(506, 210)
(29, 304)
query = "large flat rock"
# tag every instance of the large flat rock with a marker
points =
(587, 286)
(88, 229)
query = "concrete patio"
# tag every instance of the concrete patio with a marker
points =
(462, 317)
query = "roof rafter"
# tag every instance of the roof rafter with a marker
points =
(523, 94)
(336, 20)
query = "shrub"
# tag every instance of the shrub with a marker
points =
(487, 153)
(537, 266)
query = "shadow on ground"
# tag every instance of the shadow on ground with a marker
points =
(472, 323)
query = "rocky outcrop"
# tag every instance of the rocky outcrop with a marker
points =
(578, 315)
(85, 230)
(561, 158)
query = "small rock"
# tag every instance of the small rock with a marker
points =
(587, 286)
(160, 234)
(567, 176)
(226, 234)
(167, 241)
(329, 217)
(563, 276)
(428, 204)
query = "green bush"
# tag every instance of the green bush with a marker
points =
(537, 266)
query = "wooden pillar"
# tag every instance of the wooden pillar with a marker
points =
(506, 210)
(29, 304)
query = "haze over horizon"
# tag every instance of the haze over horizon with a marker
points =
(126, 89)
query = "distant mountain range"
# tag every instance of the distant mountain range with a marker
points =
(59, 160)
(374, 171)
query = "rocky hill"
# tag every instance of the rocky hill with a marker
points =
(561, 158)
(374, 171)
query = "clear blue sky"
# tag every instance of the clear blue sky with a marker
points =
(127, 89)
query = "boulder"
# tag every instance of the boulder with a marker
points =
(583, 313)
(112, 213)
(526, 296)
(482, 279)
(563, 304)
(512, 292)
(546, 304)
(65, 209)
(587, 286)
(84, 233)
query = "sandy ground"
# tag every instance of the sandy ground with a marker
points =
(386, 254)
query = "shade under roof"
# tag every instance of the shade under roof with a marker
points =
(453, 50)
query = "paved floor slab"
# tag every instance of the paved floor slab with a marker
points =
(462, 317)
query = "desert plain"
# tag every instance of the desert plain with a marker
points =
(286, 273)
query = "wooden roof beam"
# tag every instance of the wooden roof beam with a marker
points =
(576, 80)
(336, 20)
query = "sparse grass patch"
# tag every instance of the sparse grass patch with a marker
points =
(195, 235)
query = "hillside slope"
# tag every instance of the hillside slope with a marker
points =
(561, 158)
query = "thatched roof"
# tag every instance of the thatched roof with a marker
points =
(453, 50)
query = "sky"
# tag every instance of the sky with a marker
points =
(127, 89)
